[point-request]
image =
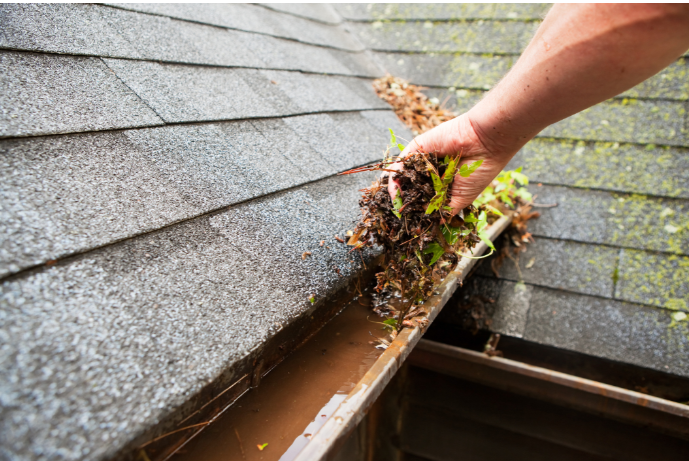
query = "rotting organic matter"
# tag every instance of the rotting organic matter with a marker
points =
(412, 107)
(422, 240)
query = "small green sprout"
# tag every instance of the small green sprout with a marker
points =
(397, 203)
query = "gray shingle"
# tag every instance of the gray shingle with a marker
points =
(43, 94)
(509, 37)
(571, 266)
(614, 330)
(181, 93)
(611, 329)
(318, 11)
(362, 64)
(190, 93)
(612, 218)
(331, 135)
(282, 139)
(650, 169)
(253, 18)
(214, 288)
(658, 122)
(103, 31)
(460, 71)
(62, 195)
(438, 11)
(651, 278)
(62, 28)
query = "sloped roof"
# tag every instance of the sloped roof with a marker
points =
(163, 169)
(165, 166)
(611, 261)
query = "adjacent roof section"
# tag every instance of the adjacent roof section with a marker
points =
(164, 169)
(609, 266)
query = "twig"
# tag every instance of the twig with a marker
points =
(241, 445)
(173, 432)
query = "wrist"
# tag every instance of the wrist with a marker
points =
(497, 129)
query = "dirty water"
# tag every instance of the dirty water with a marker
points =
(296, 398)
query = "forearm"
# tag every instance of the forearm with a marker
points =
(581, 55)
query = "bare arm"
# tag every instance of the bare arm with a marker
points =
(582, 54)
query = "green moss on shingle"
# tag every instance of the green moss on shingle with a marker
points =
(656, 279)
(607, 165)
(627, 120)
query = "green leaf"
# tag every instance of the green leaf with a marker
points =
(436, 250)
(397, 204)
(450, 233)
(261, 447)
(312, 299)
(446, 207)
(485, 239)
(494, 210)
(390, 323)
(436, 203)
(525, 194)
(393, 138)
(519, 170)
(447, 159)
(437, 183)
(520, 178)
(482, 221)
(450, 172)
(400, 147)
(466, 170)
(469, 218)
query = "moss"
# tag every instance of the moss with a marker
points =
(656, 279)
(458, 36)
(657, 122)
(606, 165)
(455, 11)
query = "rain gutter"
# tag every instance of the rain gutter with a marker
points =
(581, 394)
(354, 408)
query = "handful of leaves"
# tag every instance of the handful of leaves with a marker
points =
(422, 241)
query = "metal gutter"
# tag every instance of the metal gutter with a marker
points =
(613, 402)
(352, 410)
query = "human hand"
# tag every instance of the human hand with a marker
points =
(457, 137)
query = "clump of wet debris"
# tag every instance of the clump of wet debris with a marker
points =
(421, 239)
(412, 107)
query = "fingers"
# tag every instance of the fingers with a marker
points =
(393, 183)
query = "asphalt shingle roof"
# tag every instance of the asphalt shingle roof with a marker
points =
(177, 161)
(163, 172)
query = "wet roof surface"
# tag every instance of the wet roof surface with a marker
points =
(177, 161)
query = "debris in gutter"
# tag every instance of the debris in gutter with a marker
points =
(413, 107)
